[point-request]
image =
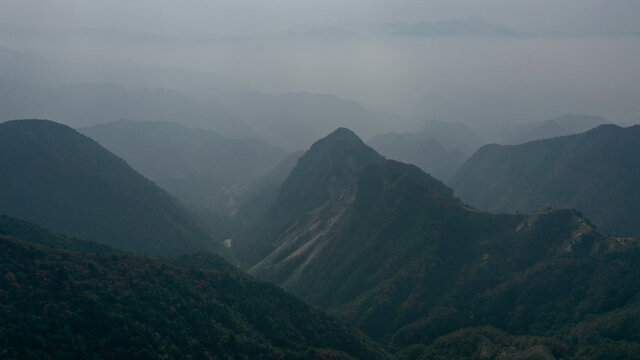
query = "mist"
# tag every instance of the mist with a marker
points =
(297, 179)
(571, 58)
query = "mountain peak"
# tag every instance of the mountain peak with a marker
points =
(331, 160)
(31, 123)
(341, 138)
(341, 150)
(343, 131)
(59, 178)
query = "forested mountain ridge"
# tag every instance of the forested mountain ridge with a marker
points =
(391, 250)
(65, 304)
(596, 172)
(61, 179)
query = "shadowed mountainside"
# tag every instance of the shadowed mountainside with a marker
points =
(596, 172)
(390, 249)
(65, 304)
(57, 177)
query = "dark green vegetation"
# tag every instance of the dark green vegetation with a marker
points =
(60, 179)
(34, 234)
(596, 172)
(199, 167)
(59, 304)
(391, 250)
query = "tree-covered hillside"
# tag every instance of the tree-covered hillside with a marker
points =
(391, 250)
(596, 172)
(60, 304)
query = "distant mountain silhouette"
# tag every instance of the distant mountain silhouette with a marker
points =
(596, 172)
(199, 167)
(67, 304)
(40, 71)
(88, 104)
(515, 134)
(472, 26)
(295, 120)
(389, 248)
(57, 177)
(421, 150)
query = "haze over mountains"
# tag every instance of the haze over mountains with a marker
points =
(537, 130)
(440, 148)
(82, 105)
(296, 120)
(324, 180)
(468, 27)
(420, 150)
(454, 79)
(200, 167)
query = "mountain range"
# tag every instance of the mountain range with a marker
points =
(515, 134)
(199, 167)
(422, 150)
(391, 250)
(440, 148)
(596, 172)
(88, 104)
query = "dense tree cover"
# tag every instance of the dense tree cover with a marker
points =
(596, 172)
(60, 179)
(34, 234)
(58, 304)
(391, 250)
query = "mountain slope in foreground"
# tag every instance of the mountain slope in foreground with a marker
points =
(63, 304)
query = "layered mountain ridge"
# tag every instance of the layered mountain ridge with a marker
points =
(60, 179)
(391, 250)
(596, 172)
(199, 167)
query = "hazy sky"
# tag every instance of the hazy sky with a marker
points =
(458, 79)
(246, 16)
